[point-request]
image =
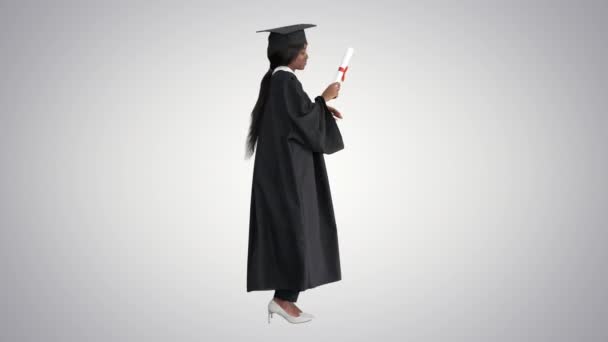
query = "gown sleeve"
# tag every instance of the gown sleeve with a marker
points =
(313, 124)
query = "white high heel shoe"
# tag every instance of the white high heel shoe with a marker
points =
(274, 307)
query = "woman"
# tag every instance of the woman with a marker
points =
(293, 242)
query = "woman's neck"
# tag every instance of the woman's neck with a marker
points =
(285, 68)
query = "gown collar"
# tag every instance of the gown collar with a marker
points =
(283, 67)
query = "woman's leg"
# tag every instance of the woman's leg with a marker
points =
(285, 294)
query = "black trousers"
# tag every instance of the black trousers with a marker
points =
(285, 294)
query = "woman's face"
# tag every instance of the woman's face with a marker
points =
(299, 63)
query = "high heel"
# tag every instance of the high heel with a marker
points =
(274, 307)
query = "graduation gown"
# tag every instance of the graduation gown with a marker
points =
(293, 241)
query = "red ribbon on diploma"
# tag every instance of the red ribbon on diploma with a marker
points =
(343, 71)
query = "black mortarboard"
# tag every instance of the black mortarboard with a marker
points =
(281, 38)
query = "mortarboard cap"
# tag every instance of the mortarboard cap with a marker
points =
(281, 38)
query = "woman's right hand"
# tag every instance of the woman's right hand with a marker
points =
(331, 92)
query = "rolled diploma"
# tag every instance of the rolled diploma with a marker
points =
(345, 61)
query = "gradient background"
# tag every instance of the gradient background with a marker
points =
(471, 197)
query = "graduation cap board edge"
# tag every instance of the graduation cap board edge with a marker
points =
(288, 29)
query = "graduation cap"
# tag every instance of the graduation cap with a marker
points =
(281, 38)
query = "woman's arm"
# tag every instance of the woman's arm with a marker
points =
(313, 125)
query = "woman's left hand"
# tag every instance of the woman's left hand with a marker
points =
(335, 112)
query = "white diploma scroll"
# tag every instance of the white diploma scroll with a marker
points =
(344, 65)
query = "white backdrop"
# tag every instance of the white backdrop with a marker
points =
(471, 197)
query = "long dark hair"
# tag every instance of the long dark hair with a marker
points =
(276, 59)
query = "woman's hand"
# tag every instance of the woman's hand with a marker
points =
(331, 92)
(335, 112)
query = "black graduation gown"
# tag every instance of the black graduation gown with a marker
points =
(293, 241)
